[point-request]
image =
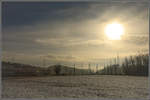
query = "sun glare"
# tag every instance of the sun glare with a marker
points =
(114, 31)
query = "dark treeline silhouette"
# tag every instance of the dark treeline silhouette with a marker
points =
(114, 69)
(133, 65)
(136, 65)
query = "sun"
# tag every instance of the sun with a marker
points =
(114, 31)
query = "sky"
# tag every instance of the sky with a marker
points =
(71, 32)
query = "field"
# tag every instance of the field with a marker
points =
(88, 86)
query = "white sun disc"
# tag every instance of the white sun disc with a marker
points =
(114, 31)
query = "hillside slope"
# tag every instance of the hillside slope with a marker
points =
(17, 69)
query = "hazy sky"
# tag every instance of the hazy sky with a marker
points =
(71, 32)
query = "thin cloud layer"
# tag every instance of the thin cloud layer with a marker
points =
(71, 32)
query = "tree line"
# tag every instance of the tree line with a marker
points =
(133, 65)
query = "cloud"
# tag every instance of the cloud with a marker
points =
(76, 30)
(138, 40)
(61, 57)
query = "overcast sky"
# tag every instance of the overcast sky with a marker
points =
(69, 32)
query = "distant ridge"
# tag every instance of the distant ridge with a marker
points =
(18, 69)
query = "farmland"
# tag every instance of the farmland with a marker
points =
(85, 86)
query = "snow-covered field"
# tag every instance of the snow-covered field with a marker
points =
(94, 86)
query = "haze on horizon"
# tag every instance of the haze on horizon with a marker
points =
(71, 32)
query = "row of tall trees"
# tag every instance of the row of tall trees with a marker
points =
(133, 65)
(136, 65)
(111, 70)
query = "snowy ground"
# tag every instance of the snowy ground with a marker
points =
(94, 86)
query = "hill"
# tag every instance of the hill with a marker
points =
(17, 69)
(66, 70)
